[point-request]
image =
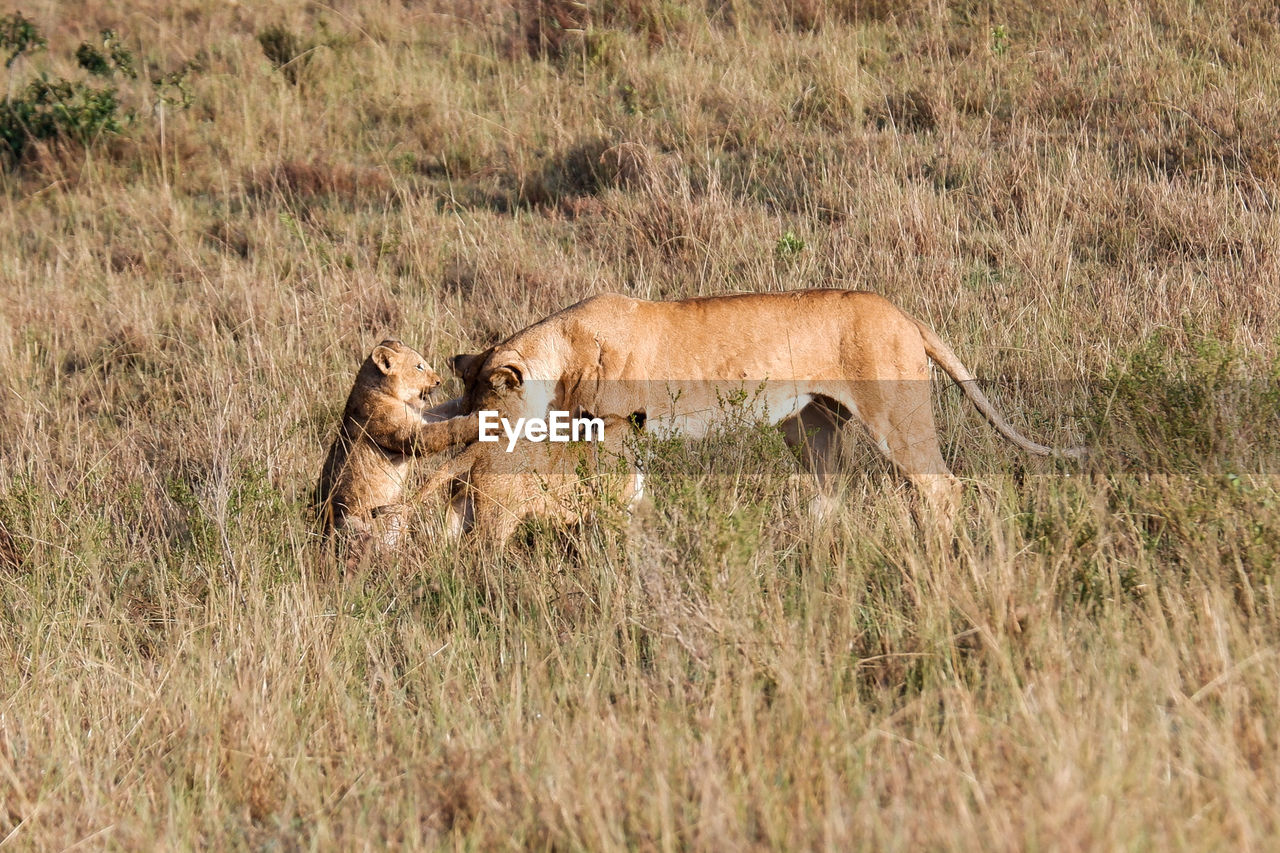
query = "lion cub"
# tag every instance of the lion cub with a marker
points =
(493, 490)
(385, 423)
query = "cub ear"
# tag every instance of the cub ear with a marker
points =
(465, 365)
(383, 356)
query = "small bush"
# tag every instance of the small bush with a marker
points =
(56, 110)
(788, 246)
(288, 52)
(18, 36)
(52, 108)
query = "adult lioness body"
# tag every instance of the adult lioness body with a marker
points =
(806, 359)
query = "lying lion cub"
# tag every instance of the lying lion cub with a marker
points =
(495, 490)
(385, 423)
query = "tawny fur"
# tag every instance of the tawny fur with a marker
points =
(806, 360)
(494, 490)
(384, 425)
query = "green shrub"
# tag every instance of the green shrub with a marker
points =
(1211, 409)
(53, 110)
(18, 36)
(288, 52)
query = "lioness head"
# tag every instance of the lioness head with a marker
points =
(499, 380)
(400, 371)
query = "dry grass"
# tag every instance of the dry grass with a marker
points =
(1082, 202)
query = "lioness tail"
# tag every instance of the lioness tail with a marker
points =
(945, 358)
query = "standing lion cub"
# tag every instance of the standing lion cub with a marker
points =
(385, 423)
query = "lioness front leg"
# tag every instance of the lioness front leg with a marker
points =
(455, 472)
(815, 432)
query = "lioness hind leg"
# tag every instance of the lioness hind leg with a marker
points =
(361, 539)
(899, 419)
(941, 493)
(495, 522)
(460, 516)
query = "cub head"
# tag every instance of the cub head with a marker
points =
(400, 371)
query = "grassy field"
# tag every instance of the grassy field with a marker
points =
(1080, 196)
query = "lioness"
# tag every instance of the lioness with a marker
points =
(494, 490)
(384, 424)
(809, 359)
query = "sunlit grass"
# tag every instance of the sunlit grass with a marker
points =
(1082, 206)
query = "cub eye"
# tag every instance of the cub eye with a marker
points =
(422, 367)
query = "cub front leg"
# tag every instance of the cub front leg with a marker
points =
(413, 436)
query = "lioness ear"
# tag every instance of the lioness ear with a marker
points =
(383, 356)
(507, 376)
(465, 365)
(637, 419)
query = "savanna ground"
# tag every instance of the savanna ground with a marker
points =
(1080, 196)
